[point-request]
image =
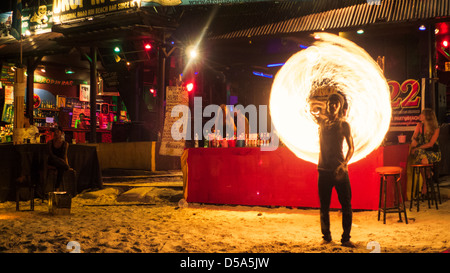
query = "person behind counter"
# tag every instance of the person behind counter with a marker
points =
(57, 149)
(81, 122)
(80, 137)
(225, 121)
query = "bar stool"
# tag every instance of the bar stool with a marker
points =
(26, 183)
(50, 178)
(416, 194)
(384, 173)
(68, 183)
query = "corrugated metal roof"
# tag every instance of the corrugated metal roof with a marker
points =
(388, 11)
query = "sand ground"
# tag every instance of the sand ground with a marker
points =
(148, 219)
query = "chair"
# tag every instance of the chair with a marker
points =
(52, 172)
(27, 183)
(416, 194)
(385, 173)
(68, 182)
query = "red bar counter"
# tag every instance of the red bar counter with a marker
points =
(249, 176)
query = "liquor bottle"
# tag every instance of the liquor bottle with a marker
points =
(216, 139)
(224, 142)
(196, 141)
(206, 141)
(2, 135)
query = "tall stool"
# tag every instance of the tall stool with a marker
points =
(27, 183)
(50, 178)
(68, 183)
(384, 173)
(416, 194)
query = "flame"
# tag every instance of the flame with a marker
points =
(332, 64)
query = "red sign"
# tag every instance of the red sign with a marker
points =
(405, 100)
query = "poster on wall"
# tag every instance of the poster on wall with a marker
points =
(8, 113)
(60, 101)
(9, 94)
(406, 101)
(7, 73)
(5, 25)
(84, 92)
(173, 141)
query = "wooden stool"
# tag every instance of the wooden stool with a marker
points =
(384, 173)
(416, 191)
(28, 184)
(51, 171)
(68, 183)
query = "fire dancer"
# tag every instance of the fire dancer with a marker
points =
(332, 166)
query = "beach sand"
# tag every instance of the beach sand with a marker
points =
(149, 220)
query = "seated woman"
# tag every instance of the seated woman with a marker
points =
(425, 145)
(57, 149)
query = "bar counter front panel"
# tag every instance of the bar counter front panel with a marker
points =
(249, 176)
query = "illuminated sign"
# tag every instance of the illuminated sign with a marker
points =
(406, 102)
(72, 10)
(37, 20)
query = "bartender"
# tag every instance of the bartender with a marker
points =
(80, 136)
(81, 122)
(104, 117)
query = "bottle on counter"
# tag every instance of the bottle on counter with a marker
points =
(196, 140)
(206, 141)
(216, 141)
(224, 142)
(211, 140)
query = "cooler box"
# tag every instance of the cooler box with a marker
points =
(59, 203)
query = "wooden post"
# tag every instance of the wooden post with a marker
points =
(93, 95)
(31, 67)
(19, 97)
(161, 86)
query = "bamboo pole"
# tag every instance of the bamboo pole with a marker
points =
(19, 101)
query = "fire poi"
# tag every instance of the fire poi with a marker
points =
(332, 64)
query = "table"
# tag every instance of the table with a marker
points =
(249, 176)
(31, 160)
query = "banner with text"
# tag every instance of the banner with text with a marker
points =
(406, 98)
(37, 20)
(175, 96)
(64, 12)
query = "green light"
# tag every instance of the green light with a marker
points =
(69, 71)
(117, 49)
